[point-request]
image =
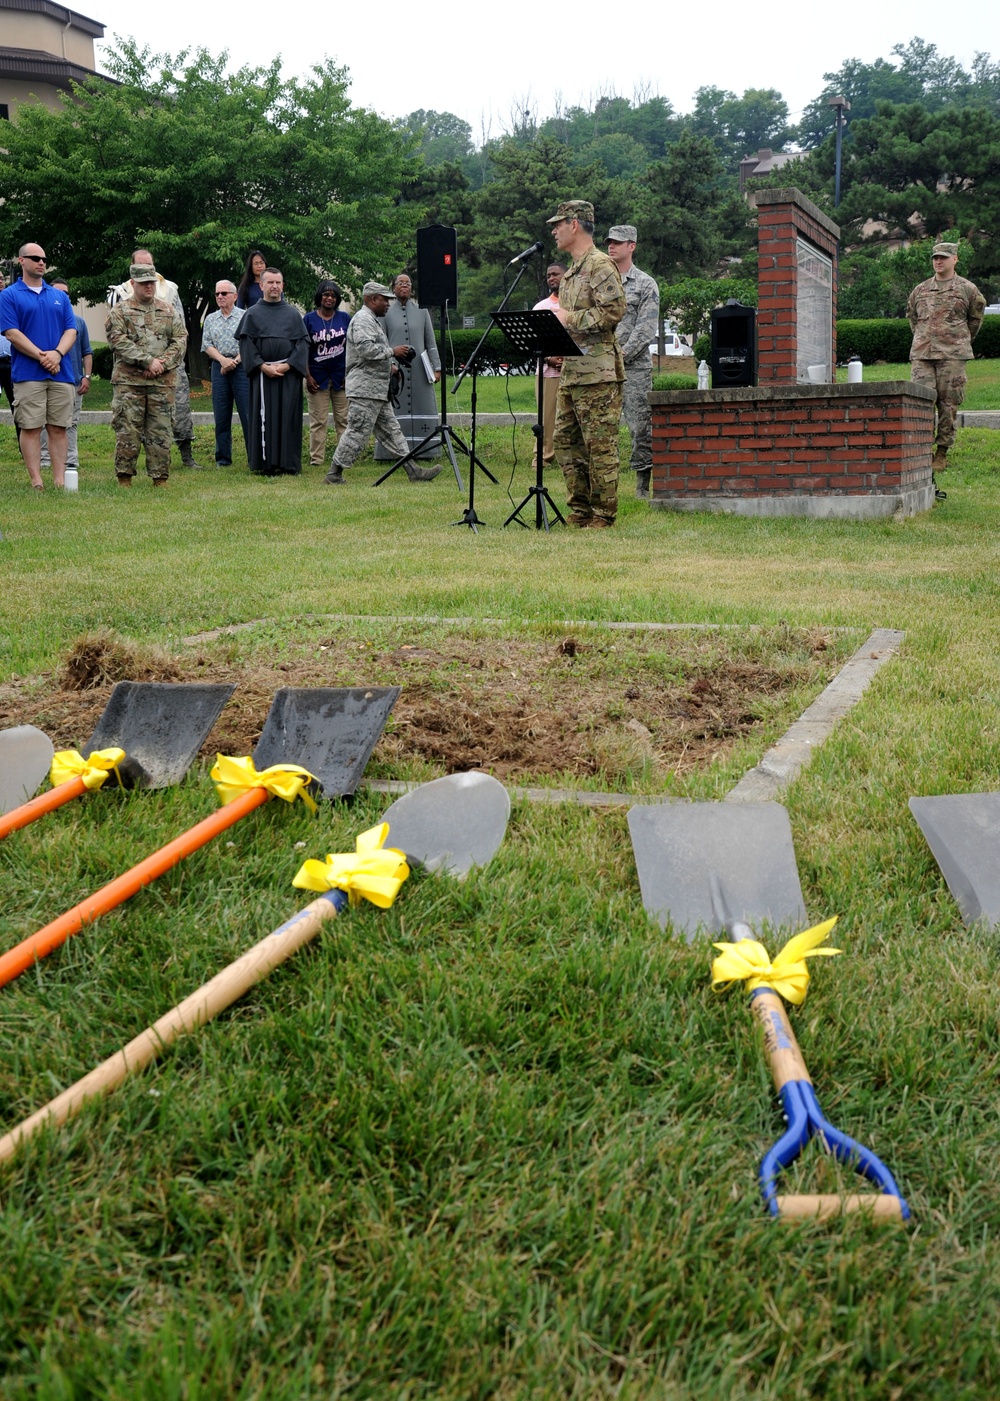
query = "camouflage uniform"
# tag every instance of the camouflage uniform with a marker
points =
(181, 413)
(589, 406)
(636, 331)
(945, 316)
(141, 408)
(369, 362)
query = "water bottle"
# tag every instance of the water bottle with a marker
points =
(72, 479)
(854, 368)
(703, 375)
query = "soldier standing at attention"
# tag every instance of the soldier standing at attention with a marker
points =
(369, 364)
(945, 312)
(636, 331)
(148, 339)
(589, 406)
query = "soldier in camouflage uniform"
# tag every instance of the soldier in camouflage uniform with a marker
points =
(588, 410)
(945, 313)
(369, 366)
(183, 423)
(148, 339)
(636, 331)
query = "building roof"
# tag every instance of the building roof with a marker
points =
(30, 65)
(94, 27)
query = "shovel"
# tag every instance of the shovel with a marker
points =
(338, 731)
(160, 726)
(724, 867)
(475, 801)
(963, 833)
(25, 759)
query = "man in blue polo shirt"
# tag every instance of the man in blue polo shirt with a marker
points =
(39, 323)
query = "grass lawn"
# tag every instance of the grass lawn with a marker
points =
(501, 1140)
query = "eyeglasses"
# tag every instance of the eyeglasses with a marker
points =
(225, 294)
(36, 257)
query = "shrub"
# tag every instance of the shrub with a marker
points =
(886, 339)
(675, 382)
(496, 354)
(703, 348)
(104, 360)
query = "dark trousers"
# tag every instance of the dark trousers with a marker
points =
(228, 390)
(7, 386)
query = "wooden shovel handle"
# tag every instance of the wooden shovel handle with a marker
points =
(31, 811)
(37, 945)
(210, 999)
(821, 1207)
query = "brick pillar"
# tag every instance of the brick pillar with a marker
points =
(784, 218)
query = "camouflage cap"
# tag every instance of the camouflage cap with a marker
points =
(142, 272)
(622, 233)
(376, 289)
(948, 250)
(581, 209)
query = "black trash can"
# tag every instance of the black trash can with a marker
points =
(734, 345)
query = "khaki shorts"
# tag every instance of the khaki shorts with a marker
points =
(42, 403)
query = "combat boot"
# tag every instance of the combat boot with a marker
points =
(334, 477)
(420, 474)
(940, 460)
(187, 456)
(642, 483)
(124, 479)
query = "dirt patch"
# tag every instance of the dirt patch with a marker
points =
(523, 707)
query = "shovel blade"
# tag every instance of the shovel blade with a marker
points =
(963, 833)
(331, 731)
(160, 725)
(450, 824)
(25, 759)
(707, 865)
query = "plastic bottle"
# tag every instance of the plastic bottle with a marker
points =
(72, 479)
(703, 375)
(854, 368)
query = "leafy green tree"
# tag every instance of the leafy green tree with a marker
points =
(741, 126)
(932, 174)
(676, 206)
(875, 282)
(200, 165)
(689, 302)
(442, 138)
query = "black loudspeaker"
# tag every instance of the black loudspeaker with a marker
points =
(437, 266)
(734, 345)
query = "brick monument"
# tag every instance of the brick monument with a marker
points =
(797, 443)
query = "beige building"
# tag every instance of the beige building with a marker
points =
(44, 47)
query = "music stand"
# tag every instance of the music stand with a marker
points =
(542, 334)
(443, 433)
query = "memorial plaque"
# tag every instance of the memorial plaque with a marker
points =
(814, 312)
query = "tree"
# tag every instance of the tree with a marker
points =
(690, 301)
(442, 137)
(200, 166)
(929, 174)
(876, 282)
(676, 205)
(741, 126)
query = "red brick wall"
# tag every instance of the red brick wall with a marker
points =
(831, 440)
(778, 227)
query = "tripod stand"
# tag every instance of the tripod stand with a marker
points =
(444, 434)
(544, 335)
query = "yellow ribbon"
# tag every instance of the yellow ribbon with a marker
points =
(70, 763)
(373, 872)
(232, 777)
(787, 974)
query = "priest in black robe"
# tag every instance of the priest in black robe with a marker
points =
(274, 348)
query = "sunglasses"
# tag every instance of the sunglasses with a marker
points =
(36, 257)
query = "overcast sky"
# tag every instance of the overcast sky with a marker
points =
(481, 62)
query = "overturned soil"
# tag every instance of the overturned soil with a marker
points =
(583, 704)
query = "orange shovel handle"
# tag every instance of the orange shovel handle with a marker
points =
(31, 811)
(37, 945)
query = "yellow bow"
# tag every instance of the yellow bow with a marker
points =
(70, 763)
(788, 975)
(372, 873)
(235, 776)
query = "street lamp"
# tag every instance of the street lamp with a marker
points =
(842, 105)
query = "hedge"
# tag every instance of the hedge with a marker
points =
(887, 339)
(675, 381)
(496, 357)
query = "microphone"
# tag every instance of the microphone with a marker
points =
(528, 253)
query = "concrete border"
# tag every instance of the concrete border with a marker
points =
(845, 508)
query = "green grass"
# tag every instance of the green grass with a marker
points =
(501, 1140)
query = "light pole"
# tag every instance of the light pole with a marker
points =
(842, 105)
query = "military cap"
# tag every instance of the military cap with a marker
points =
(950, 250)
(580, 209)
(142, 272)
(622, 233)
(376, 289)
